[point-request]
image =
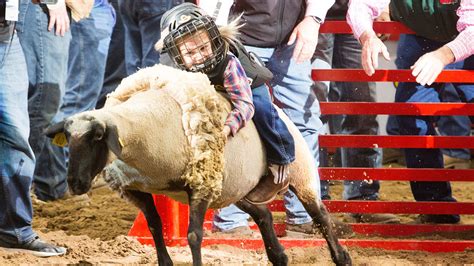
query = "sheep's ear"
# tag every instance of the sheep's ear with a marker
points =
(113, 141)
(51, 131)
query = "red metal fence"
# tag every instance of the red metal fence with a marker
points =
(175, 215)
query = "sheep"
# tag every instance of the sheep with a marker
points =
(148, 139)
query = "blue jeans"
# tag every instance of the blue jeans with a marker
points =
(344, 51)
(278, 142)
(447, 125)
(292, 91)
(87, 56)
(141, 20)
(410, 48)
(115, 67)
(46, 59)
(17, 161)
(456, 125)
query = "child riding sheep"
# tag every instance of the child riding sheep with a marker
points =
(194, 43)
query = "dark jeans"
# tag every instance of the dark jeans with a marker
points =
(115, 67)
(455, 125)
(410, 48)
(279, 143)
(141, 20)
(344, 51)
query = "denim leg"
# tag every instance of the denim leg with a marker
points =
(409, 50)
(392, 126)
(115, 67)
(322, 59)
(229, 217)
(279, 144)
(91, 34)
(87, 58)
(16, 157)
(347, 53)
(141, 20)
(292, 89)
(454, 125)
(46, 59)
(465, 90)
(132, 38)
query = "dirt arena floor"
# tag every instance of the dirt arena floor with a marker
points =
(96, 234)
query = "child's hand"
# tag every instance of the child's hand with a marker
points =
(226, 131)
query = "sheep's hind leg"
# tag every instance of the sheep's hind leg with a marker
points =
(264, 219)
(197, 211)
(322, 220)
(144, 201)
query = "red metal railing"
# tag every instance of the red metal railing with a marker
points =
(175, 215)
(466, 76)
(340, 108)
(379, 27)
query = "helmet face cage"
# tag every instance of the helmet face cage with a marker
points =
(189, 31)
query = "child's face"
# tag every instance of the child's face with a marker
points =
(195, 48)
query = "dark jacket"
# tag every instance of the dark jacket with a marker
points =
(2, 10)
(6, 27)
(428, 18)
(268, 23)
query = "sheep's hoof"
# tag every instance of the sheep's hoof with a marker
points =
(343, 259)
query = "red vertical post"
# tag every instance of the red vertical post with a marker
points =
(174, 217)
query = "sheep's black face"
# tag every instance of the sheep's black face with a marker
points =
(87, 154)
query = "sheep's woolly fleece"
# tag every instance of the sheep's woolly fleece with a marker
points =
(202, 120)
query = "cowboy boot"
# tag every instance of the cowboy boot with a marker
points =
(269, 186)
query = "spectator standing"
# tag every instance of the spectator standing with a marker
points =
(427, 54)
(447, 126)
(285, 45)
(141, 20)
(115, 66)
(17, 161)
(44, 35)
(344, 51)
(85, 74)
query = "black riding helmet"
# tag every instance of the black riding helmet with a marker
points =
(186, 19)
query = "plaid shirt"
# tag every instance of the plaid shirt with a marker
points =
(237, 86)
(361, 14)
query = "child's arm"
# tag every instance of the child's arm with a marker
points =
(238, 87)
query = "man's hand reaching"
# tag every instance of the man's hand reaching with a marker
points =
(372, 46)
(427, 68)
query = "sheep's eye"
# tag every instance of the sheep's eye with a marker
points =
(98, 135)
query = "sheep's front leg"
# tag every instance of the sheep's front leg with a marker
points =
(197, 211)
(144, 201)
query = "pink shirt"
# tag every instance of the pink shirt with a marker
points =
(362, 13)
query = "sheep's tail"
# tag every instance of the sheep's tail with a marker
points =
(230, 32)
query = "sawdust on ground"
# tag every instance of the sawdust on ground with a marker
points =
(96, 234)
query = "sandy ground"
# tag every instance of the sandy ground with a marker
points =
(96, 234)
